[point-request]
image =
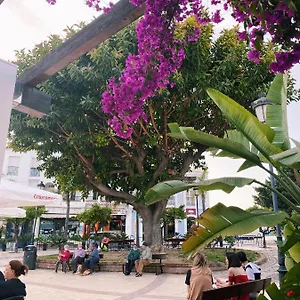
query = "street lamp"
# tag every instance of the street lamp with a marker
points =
(260, 107)
(197, 203)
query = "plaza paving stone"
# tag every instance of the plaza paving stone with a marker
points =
(47, 285)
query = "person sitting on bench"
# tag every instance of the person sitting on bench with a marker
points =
(92, 259)
(145, 259)
(236, 274)
(253, 270)
(13, 287)
(63, 259)
(132, 259)
(198, 278)
(104, 243)
(78, 257)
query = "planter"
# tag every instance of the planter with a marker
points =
(45, 246)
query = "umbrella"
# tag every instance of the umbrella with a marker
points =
(12, 213)
(14, 194)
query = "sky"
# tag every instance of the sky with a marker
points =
(24, 23)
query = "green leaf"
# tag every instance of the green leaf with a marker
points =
(246, 165)
(290, 158)
(291, 281)
(274, 292)
(292, 5)
(221, 220)
(236, 149)
(260, 135)
(276, 115)
(166, 189)
(290, 241)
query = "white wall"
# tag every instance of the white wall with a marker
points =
(8, 73)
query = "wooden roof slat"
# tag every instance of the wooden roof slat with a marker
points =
(122, 14)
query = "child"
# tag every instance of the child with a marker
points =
(63, 258)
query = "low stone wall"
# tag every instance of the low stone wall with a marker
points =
(170, 268)
(110, 266)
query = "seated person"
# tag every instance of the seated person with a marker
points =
(78, 257)
(63, 259)
(236, 274)
(253, 271)
(92, 259)
(198, 278)
(132, 259)
(145, 259)
(104, 243)
(13, 287)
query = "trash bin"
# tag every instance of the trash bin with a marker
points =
(30, 255)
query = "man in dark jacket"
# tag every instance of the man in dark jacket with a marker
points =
(132, 259)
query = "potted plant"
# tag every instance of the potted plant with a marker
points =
(42, 240)
(56, 240)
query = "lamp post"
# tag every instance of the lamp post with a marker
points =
(197, 203)
(41, 186)
(260, 107)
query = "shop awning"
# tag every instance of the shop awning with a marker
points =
(55, 216)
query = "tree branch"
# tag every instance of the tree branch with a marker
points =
(105, 190)
(162, 165)
(190, 158)
(144, 129)
(118, 144)
(151, 110)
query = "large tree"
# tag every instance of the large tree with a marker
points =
(75, 137)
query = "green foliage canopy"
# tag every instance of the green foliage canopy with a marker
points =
(95, 214)
(76, 144)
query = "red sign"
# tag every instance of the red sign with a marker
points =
(40, 197)
(191, 211)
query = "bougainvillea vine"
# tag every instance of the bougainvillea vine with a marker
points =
(160, 52)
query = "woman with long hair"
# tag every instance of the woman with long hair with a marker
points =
(199, 278)
(236, 273)
(12, 286)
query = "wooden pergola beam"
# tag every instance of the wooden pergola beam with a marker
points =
(122, 14)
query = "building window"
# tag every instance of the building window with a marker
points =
(34, 172)
(13, 165)
(171, 201)
(190, 198)
(12, 170)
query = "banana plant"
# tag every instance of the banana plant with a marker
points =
(255, 142)
(289, 289)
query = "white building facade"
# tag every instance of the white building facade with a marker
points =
(23, 168)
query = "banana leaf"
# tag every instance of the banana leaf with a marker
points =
(291, 241)
(166, 189)
(234, 148)
(290, 158)
(290, 286)
(221, 220)
(259, 134)
(276, 115)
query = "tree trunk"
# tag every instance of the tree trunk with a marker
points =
(264, 241)
(16, 236)
(151, 222)
(67, 215)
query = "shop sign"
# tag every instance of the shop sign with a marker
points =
(191, 211)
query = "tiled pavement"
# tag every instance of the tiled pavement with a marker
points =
(46, 285)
